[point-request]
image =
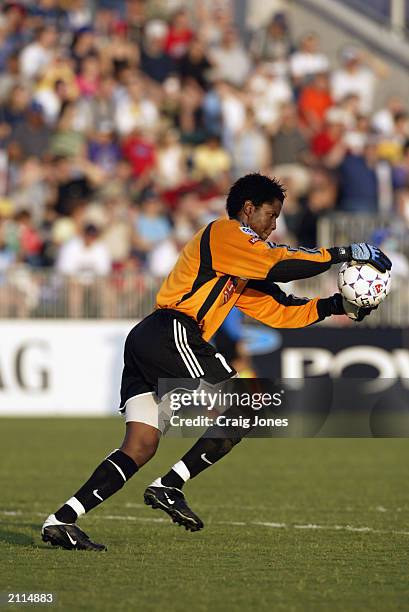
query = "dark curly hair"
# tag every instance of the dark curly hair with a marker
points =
(255, 187)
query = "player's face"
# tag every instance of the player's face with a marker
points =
(262, 219)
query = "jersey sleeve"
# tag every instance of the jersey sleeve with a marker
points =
(267, 303)
(238, 251)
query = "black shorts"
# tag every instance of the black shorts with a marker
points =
(165, 345)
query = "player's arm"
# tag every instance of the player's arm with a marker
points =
(270, 305)
(236, 250)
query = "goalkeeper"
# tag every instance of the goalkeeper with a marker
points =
(228, 263)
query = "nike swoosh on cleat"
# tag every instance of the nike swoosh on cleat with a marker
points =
(170, 501)
(73, 542)
(95, 492)
(203, 456)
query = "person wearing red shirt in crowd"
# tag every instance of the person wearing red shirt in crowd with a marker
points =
(179, 35)
(331, 134)
(30, 243)
(139, 150)
(314, 101)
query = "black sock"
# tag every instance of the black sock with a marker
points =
(202, 455)
(107, 479)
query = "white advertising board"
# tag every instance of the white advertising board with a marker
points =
(61, 367)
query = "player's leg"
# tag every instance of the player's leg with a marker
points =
(140, 407)
(138, 447)
(215, 444)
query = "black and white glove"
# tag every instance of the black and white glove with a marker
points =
(363, 252)
(356, 313)
(338, 305)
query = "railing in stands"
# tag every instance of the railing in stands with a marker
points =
(25, 293)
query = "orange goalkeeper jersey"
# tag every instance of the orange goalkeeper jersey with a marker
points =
(226, 264)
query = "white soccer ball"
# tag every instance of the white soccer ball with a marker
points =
(363, 285)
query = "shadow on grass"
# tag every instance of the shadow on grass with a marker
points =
(9, 536)
(17, 538)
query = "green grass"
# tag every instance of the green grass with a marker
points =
(153, 565)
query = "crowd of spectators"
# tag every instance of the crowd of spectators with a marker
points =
(122, 125)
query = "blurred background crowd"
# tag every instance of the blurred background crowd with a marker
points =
(123, 124)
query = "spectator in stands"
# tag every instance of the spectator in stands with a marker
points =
(88, 77)
(73, 182)
(383, 121)
(139, 148)
(327, 146)
(170, 161)
(13, 111)
(119, 52)
(33, 134)
(29, 240)
(135, 15)
(99, 109)
(230, 59)
(273, 42)
(179, 35)
(308, 60)
(195, 64)
(11, 77)
(36, 56)
(31, 190)
(320, 200)
(103, 149)
(251, 150)
(83, 260)
(66, 140)
(83, 45)
(7, 253)
(155, 59)
(358, 75)
(57, 86)
(136, 109)
(288, 144)
(13, 32)
(314, 101)
(359, 182)
(151, 225)
(269, 89)
(79, 16)
(48, 13)
(211, 160)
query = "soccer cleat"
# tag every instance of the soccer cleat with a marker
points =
(173, 502)
(70, 537)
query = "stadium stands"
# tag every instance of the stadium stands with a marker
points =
(122, 125)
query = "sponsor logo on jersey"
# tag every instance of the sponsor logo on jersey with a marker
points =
(249, 231)
(254, 239)
(229, 289)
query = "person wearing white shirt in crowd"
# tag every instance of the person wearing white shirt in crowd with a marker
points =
(135, 110)
(230, 59)
(37, 56)
(358, 76)
(84, 259)
(308, 60)
(269, 89)
(383, 121)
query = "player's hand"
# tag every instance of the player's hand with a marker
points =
(363, 252)
(356, 313)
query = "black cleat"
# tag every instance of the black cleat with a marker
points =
(70, 537)
(173, 502)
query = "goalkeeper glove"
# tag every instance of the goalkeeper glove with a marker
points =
(338, 305)
(363, 252)
(356, 313)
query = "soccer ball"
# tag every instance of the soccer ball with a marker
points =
(363, 285)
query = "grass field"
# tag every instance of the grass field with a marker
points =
(290, 525)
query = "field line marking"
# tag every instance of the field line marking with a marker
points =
(271, 525)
